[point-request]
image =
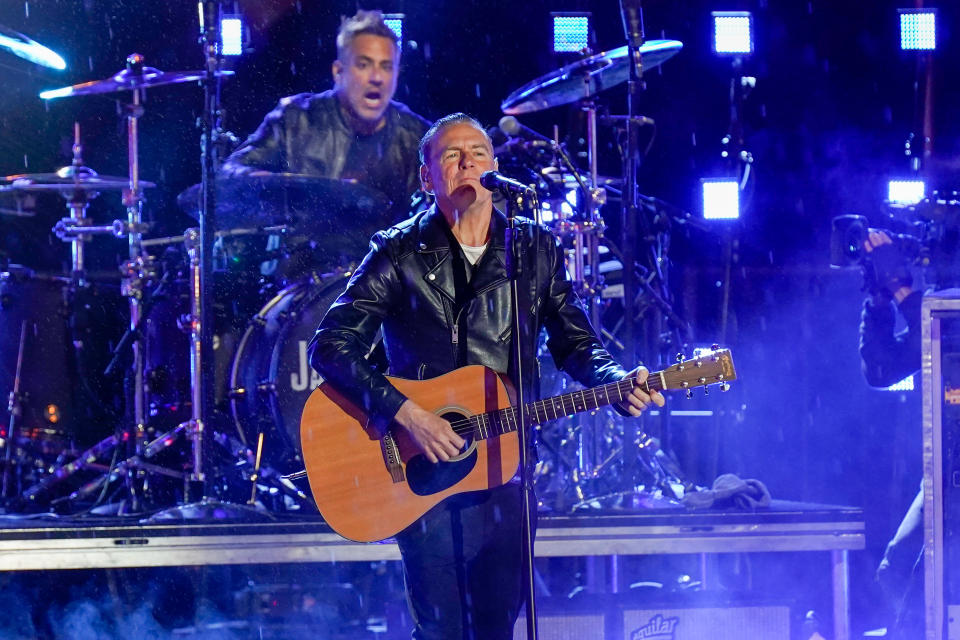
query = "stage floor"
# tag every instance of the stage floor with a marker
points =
(49, 542)
(46, 541)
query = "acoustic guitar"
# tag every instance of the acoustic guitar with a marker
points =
(369, 486)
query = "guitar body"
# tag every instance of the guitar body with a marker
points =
(366, 489)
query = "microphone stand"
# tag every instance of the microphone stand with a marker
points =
(633, 29)
(514, 262)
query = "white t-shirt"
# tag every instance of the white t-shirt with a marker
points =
(473, 253)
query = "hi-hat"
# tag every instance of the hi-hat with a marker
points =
(66, 179)
(129, 80)
(586, 78)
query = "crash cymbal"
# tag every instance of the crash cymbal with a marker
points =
(585, 78)
(69, 178)
(23, 47)
(128, 80)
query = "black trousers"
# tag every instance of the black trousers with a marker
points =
(461, 564)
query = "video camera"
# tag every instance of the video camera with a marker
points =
(926, 234)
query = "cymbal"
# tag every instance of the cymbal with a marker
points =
(339, 216)
(129, 80)
(68, 178)
(23, 47)
(586, 77)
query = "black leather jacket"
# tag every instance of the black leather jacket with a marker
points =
(307, 134)
(406, 284)
(887, 357)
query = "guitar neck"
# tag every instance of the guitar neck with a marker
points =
(495, 423)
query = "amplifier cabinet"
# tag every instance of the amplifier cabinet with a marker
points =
(941, 461)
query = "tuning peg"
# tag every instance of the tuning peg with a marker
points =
(689, 394)
(714, 347)
(706, 391)
(724, 386)
(680, 357)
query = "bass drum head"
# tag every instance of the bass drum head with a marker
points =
(271, 379)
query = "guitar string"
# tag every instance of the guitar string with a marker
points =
(508, 415)
(465, 426)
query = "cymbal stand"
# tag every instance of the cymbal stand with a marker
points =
(137, 270)
(77, 229)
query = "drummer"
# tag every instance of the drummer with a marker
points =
(356, 131)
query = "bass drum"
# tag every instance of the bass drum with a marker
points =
(271, 379)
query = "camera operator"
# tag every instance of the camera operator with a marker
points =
(888, 356)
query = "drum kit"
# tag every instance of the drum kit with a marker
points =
(76, 368)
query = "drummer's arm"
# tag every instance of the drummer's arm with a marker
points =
(263, 151)
(339, 348)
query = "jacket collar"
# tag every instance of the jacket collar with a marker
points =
(434, 245)
(433, 235)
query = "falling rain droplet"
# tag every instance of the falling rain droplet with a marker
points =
(26, 9)
(476, 88)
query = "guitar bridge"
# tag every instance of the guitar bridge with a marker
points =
(391, 457)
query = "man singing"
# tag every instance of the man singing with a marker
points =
(437, 288)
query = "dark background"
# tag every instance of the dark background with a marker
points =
(826, 124)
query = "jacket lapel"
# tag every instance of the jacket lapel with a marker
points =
(493, 267)
(434, 249)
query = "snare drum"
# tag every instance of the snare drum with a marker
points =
(271, 379)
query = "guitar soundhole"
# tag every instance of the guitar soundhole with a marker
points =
(425, 478)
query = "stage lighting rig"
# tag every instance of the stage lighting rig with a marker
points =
(918, 29)
(571, 32)
(395, 22)
(732, 33)
(721, 198)
(905, 192)
(233, 35)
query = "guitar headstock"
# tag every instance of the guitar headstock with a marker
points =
(713, 366)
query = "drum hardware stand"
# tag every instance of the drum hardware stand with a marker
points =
(193, 429)
(15, 408)
(77, 229)
(200, 243)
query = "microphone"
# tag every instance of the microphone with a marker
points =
(512, 127)
(496, 181)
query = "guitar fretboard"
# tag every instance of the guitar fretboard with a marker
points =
(495, 423)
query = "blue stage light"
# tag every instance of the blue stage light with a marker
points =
(571, 32)
(721, 198)
(905, 192)
(918, 29)
(395, 22)
(732, 32)
(231, 35)
(907, 384)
